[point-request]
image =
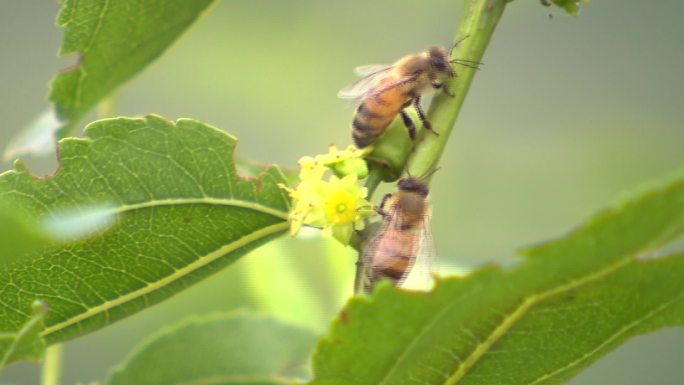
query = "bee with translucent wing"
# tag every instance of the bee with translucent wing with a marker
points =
(404, 235)
(385, 91)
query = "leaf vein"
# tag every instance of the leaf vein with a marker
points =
(178, 274)
(205, 200)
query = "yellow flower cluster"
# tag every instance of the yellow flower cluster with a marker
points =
(337, 205)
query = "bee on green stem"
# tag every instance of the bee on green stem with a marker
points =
(403, 236)
(385, 91)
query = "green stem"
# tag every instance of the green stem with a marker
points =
(373, 180)
(358, 277)
(52, 366)
(478, 22)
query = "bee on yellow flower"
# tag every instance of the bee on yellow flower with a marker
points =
(338, 205)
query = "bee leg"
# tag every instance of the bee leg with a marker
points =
(411, 128)
(421, 114)
(381, 209)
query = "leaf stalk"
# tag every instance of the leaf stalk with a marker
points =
(52, 365)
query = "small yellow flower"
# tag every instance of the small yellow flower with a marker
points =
(337, 205)
(340, 208)
(311, 169)
(345, 162)
(307, 204)
(345, 206)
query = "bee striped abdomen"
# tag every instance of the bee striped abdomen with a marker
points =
(394, 257)
(396, 270)
(362, 133)
(374, 115)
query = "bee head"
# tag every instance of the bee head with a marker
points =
(439, 60)
(413, 184)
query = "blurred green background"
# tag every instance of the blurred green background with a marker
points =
(565, 116)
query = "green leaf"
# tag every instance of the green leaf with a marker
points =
(568, 303)
(222, 349)
(182, 213)
(19, 234)
(23, 233)
(114, 41)
(570, 6)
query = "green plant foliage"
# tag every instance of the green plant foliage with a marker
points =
(114, 40)
(22, 232)
(568, 303)
(182, 213)
(570, 6)
(25, 343)
(19, 234)
(222, 349)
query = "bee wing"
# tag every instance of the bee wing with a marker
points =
(426, 264)
(370, 69)
(370, 74)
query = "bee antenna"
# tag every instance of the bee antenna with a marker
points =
(457, 43)
(429, 173)
(408, 172)
(467, 63)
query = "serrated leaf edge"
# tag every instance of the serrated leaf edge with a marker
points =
(62, 21)
(20, 168)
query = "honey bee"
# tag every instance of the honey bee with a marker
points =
(385, 91)
(403, 236)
